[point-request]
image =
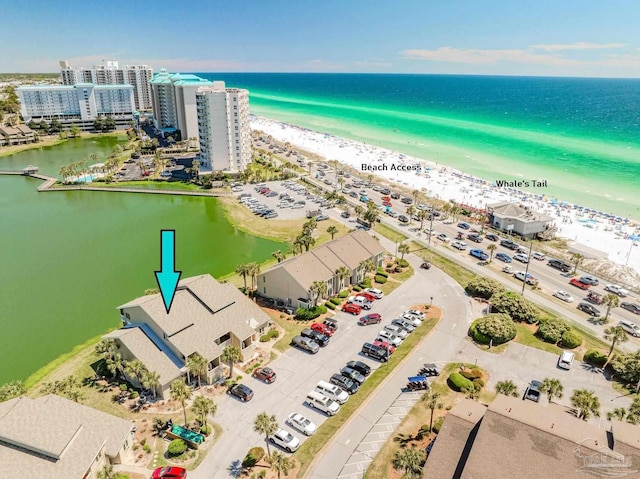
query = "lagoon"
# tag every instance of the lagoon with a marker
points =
(68, 259)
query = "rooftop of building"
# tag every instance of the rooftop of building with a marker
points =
(511, 210)
(73, 87)
(164, 77)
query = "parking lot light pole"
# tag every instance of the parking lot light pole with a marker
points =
(526, 271)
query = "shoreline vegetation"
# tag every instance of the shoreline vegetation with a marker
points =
(53, 140)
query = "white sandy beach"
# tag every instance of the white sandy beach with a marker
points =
(581, 224)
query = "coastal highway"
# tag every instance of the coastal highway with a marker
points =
(550, 279)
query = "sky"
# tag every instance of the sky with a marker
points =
(487, 37)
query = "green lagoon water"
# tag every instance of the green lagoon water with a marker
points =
(68, 259)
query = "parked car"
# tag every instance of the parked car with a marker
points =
(425, 265)
(561, 265)
(375, 352)
(360, 301)
(404, 324)
(385, 335)
(415, 312)
(376, 293)
(563, 295)
(443, 237)
(397, 330)
(589, 309)
(521, 276)
(371, 318)
(461, 245)
(301, 423)
(267, 375)
(464, 226)
(370, 296)
(588, 279)
(323, 329)
(478, 253)
(523, 258)
(507, 243)
(403, 219)
(285, 440)
(565, 361)
(384, 345)
(345, 214)
(615, 289)
(305, 344)
(503, 257)
(533, 392)
(352, 308)
(359, 366)
(331, 323)
(322, 217)
(492, 237)
(539, 256)
(169, 472)
(345, 383)
(242, 392)
(411, 319)
(321, 339)
(632, 328)
(634, 308)
(578, 284)
(475, 237)
(352, 374)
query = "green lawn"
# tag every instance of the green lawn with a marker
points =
(389, 232)
(151, 184)
(312, 446)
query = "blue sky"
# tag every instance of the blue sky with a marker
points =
(533, 37)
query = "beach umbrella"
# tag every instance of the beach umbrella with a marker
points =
(633, 237)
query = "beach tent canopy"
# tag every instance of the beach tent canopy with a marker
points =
(587, 251)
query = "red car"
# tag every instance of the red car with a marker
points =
(267, 375)
(169, 472)
(384, 345)
(352, 308)
(323, 328)
(386, 199)
(372, 318)
(369, 297)
(387, 203)
(578, 284)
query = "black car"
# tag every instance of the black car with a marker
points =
(561, 265)
(352, 374)
(406, 200)
(385, 191)
(464, 226)
(359, 366)
(375, 352)
(476, 238)
(321, 339)
(634, 308)
(345, 383)
(512, 245)
(403, 219)
(395, 196)
(589, 309)
(242, 392)
(345, 214)
(492, 237)
(533, 391)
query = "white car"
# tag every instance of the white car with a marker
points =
(285, 440)
(539, 256)
(301, 423)
(615, 289)
(523, 258)
(521, 276)
(411, 319)
(415, 312)
(376, 293)
(461, 245)
(632, 328)
(397, 330)
(443, 237)
(389, 337)
(563, 295)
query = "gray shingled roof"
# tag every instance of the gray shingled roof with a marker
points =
(52, 437)
(505, 209)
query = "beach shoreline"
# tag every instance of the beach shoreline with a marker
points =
(576, 223)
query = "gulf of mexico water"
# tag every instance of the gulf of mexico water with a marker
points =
(582, 135)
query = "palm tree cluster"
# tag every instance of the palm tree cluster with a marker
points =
(203, 406)
(12, 390)
(631, 415)
(318, 290)
(586, 403)
(69, 387)
(251, 270)
(410, 460)
(305, 239)
(197, 366)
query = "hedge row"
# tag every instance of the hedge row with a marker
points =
(304, 314)
(382, 272)
(380, 279)
(343, 294)
(336, 301)
(357, 288)
(269, 335)
(330, 305)
(403, 263)
(458, 382)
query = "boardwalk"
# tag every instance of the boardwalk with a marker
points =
(50, 181)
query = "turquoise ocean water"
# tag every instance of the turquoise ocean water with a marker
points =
(581, 135)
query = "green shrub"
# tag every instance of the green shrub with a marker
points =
(330, 305)
(498, 327)
(335, 301)
(458, 382)
(437, 424)
(120, 475)
(551, 329)
(482, 287)
(382, 272)
(135, 394)
(303, 314)
(357, 288)
(517, 307)
(468, 374)
(343, 294)
(478, 384)
(402, 263)
(146, 448)
(595, 357)
(262, 474)
(477, 336)
(254, 456)
(273, 333)
(205, 430)
(380, 279)
(570, 339)
(265, 338)
(389, 265)
(365, 283)
(123, 387)
(176, 447)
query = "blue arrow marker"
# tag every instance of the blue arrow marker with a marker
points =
(168, 277)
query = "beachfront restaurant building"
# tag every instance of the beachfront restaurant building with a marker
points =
(53, 438)
(515, 219)
(290, 281)
(205, 317)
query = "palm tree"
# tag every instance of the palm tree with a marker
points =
(230, 355)
(403, 248)
(370, 179)
(371, 214)
(367, 266)
(431, 398)
(616, 335)
(423, 215)
(586, 403)
(278, 255)
(12, 390)
(254, 271)
(243, 269)
(358, 210)
(618, 413)
(180, 392)
(267, 425)
(307, 241)
(332, 230)
(318, 289)
(281, 463)
(492, 249)
(203, 407)
(507, 388)
(411, 210)
(115, 364)
(410, 461)
(107, 472)
(343, 273)
(577, 257)
(197, 366)
(135, 368)
(610, 301)
(552, 387)
(151, 380)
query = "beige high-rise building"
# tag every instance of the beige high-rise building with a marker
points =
(223, 127)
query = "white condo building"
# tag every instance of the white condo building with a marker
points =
(110, 73)
(224, 129)
(79, 104)
(173, 96)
